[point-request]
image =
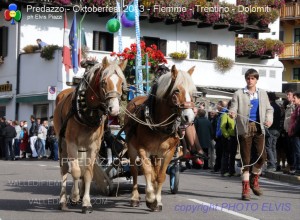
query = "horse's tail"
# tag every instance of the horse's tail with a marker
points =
(60, 150)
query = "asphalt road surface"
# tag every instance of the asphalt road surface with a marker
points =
(29, 189)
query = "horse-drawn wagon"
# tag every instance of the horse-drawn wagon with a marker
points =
(151, 125)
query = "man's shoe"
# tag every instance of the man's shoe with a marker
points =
(246, 191)
(254, 185)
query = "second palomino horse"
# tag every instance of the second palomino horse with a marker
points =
(169, 105)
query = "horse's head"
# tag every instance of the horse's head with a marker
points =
(112, 84)
(177, 87)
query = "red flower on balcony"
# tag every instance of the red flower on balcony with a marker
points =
(155, 56)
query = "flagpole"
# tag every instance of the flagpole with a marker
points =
(73, 39)
(138, 64)
(79, 39)
(120, 30)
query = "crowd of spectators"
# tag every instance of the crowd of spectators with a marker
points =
(17, 141)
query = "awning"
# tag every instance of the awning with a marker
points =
(32, 98)
(5, 99)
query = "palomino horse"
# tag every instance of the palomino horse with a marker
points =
(79, 120)
(169, 104)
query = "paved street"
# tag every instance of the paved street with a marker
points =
(30, 190)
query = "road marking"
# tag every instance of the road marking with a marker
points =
(224, 210)
(277, 182)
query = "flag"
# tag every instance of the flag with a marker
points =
(73, 42)
(81, 43)
(81, 40)
(66, 47)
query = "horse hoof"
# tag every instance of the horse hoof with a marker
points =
(151, 205)
(87, 209)
(134, 203)
(63, 207)
(72, 203)
(157, 208)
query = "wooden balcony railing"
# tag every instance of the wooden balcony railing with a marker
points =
(291, 51)
(290, 10)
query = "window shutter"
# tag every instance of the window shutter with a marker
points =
(193, 50)
(163, 46)
(3, 41)
(96, 40)
(213, 51)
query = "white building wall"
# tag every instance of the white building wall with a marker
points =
(37, 74)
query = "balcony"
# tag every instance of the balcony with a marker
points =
(290, 11)
(44, 73)
(291, 51)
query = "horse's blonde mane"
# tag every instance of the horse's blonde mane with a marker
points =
(112, 68)
(183, 79)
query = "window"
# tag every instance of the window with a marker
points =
(3, 41)
(297, 35)
(203, 50)
(281, 35)
(103, 41)
(2, 111)
(41, 111)
(296, 74)
(160, 43)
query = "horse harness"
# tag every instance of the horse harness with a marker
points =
(146, 111)
(83, 113)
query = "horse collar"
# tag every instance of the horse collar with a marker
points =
(149, 111)
(91, 117)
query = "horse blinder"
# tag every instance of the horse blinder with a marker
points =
(184, 105)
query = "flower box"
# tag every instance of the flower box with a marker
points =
(204, 25)
(169, 21)
(190, 22)
(235, 27)
(220, 25)
(258, 48)
(155, 19)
